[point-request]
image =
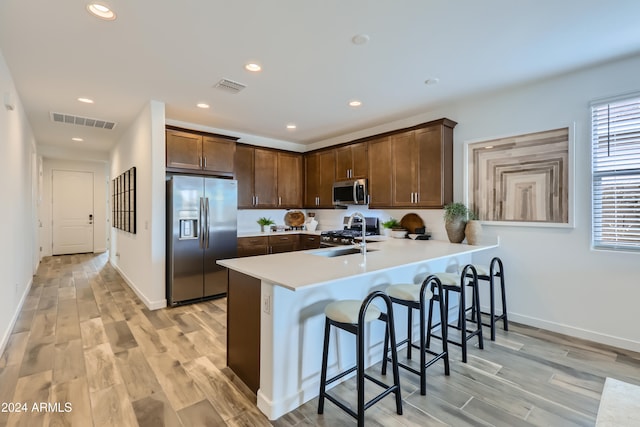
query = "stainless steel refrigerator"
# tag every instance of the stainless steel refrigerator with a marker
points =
(201, 229)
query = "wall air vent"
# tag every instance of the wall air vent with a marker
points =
(82, 121)
(230, 86)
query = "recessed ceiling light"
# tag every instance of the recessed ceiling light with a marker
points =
(252, 66)
(202, 105)
(86, 100)
(355, 103)
(432, 81)
(101, 11)
(291, 126)
(77, 139)
(360, 39)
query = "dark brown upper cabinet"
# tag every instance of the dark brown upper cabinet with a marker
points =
(351, 161)
(209, 154)
(422, 165)
(268, 178)
(319, 177)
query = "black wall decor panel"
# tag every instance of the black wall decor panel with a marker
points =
(123, 201)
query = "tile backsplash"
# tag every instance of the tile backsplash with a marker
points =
(332, 219)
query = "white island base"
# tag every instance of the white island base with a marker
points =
(296, 287)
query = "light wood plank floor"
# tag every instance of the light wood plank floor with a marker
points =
(84, 340)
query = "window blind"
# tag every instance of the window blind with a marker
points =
(616, 175)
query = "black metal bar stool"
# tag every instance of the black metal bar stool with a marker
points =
(415, 297)
(495, 270)
(451, 282)
(351, 316)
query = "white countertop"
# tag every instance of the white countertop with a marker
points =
(303, 269)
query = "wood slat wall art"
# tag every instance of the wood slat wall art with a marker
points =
(522, 178)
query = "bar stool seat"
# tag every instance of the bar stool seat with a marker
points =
(495, 270)
(347, 311)
(415, 297)
(407, 292)
(452, 282)
(352, 316)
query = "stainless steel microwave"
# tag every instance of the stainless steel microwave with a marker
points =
(351, 192)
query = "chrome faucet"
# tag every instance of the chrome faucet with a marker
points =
(363, 243)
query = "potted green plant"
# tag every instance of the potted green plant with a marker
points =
(390, 225)
(264, 221)
(455, 219)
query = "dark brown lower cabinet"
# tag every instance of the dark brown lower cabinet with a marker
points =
(309, 241)
(243, 328)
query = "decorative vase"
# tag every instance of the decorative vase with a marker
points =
(473, 231)
(455, 230)
(261, 228)
(386, 232)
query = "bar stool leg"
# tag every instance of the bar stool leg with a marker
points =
(444, 331)
(492, 308)
(323, 374)
(409, 331)
(360, 373)
(498, 261)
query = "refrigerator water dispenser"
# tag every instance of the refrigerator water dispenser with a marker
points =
(188, 228)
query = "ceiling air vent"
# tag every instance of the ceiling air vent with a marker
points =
(82, 121)
(230, 86)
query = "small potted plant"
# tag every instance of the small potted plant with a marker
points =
(390, 225)
(264, 221)
(455, 219)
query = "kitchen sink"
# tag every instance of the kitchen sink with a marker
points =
(331, 253)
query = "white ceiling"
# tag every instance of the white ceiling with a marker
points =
(176, 51)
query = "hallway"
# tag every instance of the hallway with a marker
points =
(84, 339)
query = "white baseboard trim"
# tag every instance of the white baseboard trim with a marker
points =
(14, 318)
(573, 331)
(151, 305)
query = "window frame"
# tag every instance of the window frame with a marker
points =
(625, 176)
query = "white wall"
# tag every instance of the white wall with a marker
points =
(18, 192)
(140, 257)
(100, 197)
(555, 280)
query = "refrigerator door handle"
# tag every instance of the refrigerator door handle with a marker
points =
(201, 219)
(207, 219)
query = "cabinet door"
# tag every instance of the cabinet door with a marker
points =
(311, 180)
(326, 178)
(249, 246)
(309, 241)
(430, 184)
(283, 243)
(218, 154)
(184, 150)
(244, 175)
(351, 161)
(344, 163)
(265, 163)
(360, 158)
(380, 173)
(289, 180)
(404, 170)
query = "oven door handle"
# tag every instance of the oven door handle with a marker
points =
(355, 192)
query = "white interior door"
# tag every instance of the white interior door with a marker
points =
(72, 212)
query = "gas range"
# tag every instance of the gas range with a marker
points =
(346, 236)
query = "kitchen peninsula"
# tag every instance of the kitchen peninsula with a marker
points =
(276, 310)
